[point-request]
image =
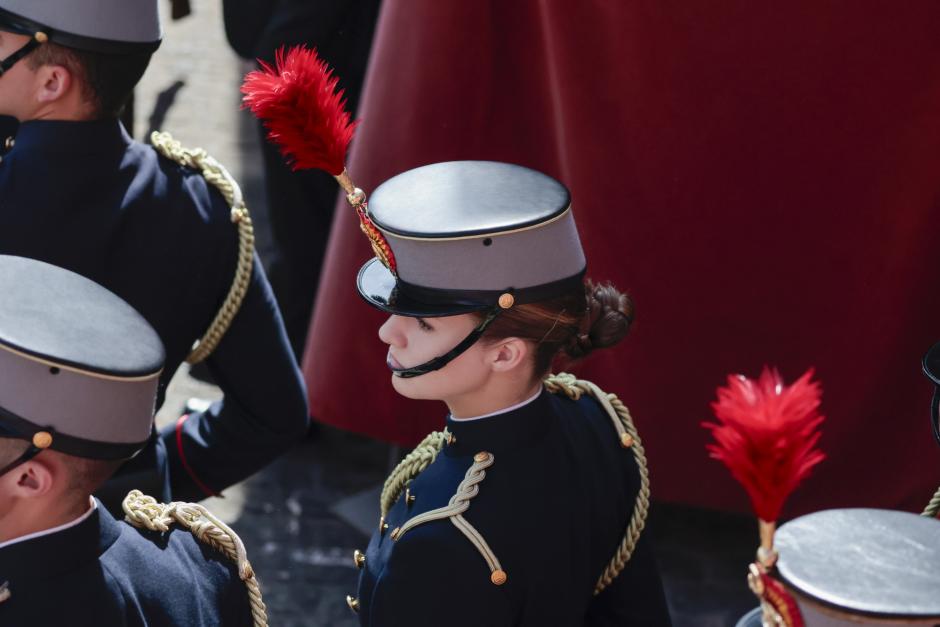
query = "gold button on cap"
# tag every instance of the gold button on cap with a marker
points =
(482, 456)
(359, 558)
(42, 439)
(499, 577)
(353, 603)
(506, 300)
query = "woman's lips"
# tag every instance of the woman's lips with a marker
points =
(393, 363)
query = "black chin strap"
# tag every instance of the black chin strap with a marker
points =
(11, 60)
(439, 362)
(27, 455)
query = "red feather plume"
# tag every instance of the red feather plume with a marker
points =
(766, 435)
(302, 109)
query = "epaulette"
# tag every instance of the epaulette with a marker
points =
(216, 174)
(425, 453)
(144, 512)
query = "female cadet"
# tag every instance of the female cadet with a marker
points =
(527, 509)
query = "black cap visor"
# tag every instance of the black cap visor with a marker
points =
(932, 364)
(379, 287)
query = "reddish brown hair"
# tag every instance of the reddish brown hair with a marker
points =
(574, 324)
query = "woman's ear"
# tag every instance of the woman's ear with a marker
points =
(53, 83)
(508, 354)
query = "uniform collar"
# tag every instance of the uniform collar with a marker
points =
(518, 426)
(61, 136)
(60, 551)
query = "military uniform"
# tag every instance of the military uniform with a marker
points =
(103, 572)
(79, 370)
(524, 518)
(553, 508)
(84, 196)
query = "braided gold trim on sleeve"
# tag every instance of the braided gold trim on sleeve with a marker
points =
(144, 512)
(216, 174)
(629, 438)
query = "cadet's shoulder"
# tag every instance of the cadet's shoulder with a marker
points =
(184, 173)
(173, 553)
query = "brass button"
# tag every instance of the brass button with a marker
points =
(499, 577)
(382, 525)
(451, 439)
(42, 439)
(9, 142)
(409, 497)
(480, 457)
(506, 300)
(626, 440)
(41, 37)
(353, 603)
(359, 558)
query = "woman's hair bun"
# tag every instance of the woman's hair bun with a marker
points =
(607, 319)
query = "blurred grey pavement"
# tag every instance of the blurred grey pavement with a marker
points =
(286, 514)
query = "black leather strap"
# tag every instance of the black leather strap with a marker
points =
(439, 362)
(12, 425)
(521, 296)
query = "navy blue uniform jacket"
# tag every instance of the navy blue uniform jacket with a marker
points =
(84, 196)
(553, 507)
(102, 572)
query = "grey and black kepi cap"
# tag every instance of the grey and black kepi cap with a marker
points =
(79, 367)
(862, 566)
(470, 236)
(106, 26)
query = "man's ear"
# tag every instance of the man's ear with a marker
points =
(53, 83)
(31, 479)
(508, 354)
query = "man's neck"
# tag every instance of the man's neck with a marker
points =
(27, 518)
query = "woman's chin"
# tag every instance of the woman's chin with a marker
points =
(412, 388)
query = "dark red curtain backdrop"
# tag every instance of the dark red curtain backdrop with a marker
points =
(763, 180)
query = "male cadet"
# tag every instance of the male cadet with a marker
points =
(77, 192)
(79, 370)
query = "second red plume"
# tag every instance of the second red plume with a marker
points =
(302, 109)
(766, 435)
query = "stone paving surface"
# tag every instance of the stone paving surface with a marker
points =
(302, 550)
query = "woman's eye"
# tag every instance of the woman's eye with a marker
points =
(424, 325)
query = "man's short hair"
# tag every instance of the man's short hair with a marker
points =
(84, 475)
(107, 80)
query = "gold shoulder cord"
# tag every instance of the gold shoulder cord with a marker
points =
(629, 438)
(216, 174)
(425, 453)
(145, 512)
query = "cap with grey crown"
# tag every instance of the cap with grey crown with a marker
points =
(106, 26)
(862, 566)
(469, 236)
(79, 367)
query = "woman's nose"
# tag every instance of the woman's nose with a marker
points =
(390, 332)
